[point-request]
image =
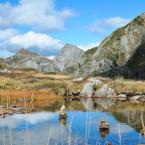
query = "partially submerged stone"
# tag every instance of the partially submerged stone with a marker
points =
(103, 125)
(63, 113)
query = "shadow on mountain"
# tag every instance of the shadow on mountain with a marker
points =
(134, 68)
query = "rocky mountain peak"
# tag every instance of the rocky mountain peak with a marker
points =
(70, 48)
(68, 45)
(117, 49)
(142, 15)
(68, 56)
(25, 53)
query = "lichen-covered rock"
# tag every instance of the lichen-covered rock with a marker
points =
(137, 97)
(104, 91)
(122, 97)
(88, 88)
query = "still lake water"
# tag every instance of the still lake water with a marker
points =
(80, 128)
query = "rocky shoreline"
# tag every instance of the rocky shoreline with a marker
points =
(95, 88)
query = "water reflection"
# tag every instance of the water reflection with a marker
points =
(104, 133)
(97, 104)
(88, 104)
(63, 122)
(45, 128)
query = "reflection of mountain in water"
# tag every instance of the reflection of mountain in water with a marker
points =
(124, 112)
(130, 114)
(43, 128)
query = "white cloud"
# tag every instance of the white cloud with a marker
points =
(7, 33)
(88, 46)
(11, 41)
(40, 15)
(103, 25)
(116, 22)
(33, 39)
(51, 57)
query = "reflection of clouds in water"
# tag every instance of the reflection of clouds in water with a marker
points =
(34, 118)
(45, 129)
(53, 134)
(122, 127)
(50, 132)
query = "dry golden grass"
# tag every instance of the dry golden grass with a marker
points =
(122, 85)
(43, 89)
(54, 76)
(47, 89)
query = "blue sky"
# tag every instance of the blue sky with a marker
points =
(44, 26)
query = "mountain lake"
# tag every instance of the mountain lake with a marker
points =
(81, 127)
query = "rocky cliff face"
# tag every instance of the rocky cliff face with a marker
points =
(135, 66)
(117, 49)
(26, 59)
(68, 56)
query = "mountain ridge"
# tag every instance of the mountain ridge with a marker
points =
(116, 49)
(121, 53)
(26, 59)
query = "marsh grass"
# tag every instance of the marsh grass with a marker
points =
(122, 85)
(35, 99)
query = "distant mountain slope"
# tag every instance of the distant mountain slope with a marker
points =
(68, 56)
(2, 63)
(27, 59)
(116, 50)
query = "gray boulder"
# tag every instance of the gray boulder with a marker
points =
(122, 97)
(136, 97)
(88, 88)
(104, 91)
